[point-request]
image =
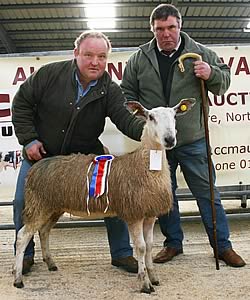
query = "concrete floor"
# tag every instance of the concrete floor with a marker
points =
(85, 272)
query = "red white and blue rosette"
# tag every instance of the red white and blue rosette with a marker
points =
(98, 184)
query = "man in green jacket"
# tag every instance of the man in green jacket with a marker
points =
(61, 109)
(152, 77)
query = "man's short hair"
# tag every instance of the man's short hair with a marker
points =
(92, 34)
(163, 11)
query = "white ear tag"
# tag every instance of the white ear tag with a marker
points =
(155, 160)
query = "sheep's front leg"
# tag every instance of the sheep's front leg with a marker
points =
(136, 233)
(23, 237)
(148, 232)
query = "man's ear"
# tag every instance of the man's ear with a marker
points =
(76, 52)
(184, 106)
(136, 109)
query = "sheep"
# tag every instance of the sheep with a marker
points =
(137, 194)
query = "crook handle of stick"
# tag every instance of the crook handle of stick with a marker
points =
(187, 55)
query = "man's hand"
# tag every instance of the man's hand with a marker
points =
(202, 70)
(35, 151)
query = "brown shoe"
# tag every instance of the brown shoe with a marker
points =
(232, 259)
(166, 254)
(129, 264)
(28, 262)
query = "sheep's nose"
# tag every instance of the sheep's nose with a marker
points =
(170, 142)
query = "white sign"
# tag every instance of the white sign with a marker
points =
(229, 116)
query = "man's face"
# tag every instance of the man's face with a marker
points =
(91, 58)
(167, 33)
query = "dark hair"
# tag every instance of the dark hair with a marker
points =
(92, 34)
(163, 11)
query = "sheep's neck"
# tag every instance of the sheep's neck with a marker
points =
(151, 145)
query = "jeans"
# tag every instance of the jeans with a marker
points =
(117, 229)
(192, 159)
(18, 205)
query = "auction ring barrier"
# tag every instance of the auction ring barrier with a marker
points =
(239, 192)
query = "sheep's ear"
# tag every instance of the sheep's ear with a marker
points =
(136, 109)
(184, 106)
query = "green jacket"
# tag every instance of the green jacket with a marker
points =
(44, 108)
(142, 81)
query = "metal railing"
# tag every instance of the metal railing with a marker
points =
(239, 192)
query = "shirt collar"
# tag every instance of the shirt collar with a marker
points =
(91, 83)
(81, 92)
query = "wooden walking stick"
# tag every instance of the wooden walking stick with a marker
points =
(209, 160)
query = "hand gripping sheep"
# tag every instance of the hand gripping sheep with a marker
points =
(137, 194)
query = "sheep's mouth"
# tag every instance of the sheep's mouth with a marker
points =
(169, 143)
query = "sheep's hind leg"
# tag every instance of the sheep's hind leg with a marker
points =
(44, 232)
(148, 231)
(136, 233)
(23, 237)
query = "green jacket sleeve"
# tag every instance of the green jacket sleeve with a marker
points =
(24, 108)
(220, 78)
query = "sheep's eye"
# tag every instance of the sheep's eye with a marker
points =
(151, 118)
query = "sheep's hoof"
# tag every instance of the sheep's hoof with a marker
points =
(18, 284)
(156, 282)
(53, 268)
(147, 290)
(152, 289)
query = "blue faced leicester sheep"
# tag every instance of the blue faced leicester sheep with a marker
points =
(139, 191)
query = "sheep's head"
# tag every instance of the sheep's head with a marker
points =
(160, 121)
